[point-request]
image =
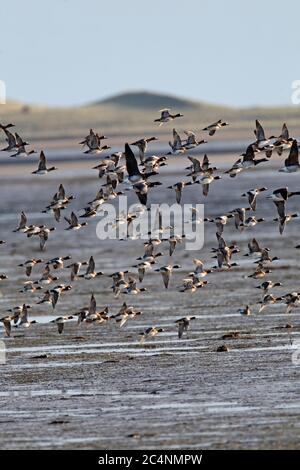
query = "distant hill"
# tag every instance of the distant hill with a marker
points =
(149, 100)
(133, 114)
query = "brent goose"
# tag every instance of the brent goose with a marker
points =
(134, 174)
(142, 145)
(252, 221)
(292, 300)
(4, 127)
(183, 325)
(141, 189)
(90, 138)
(57, 291)
(7, 324)
(191, 285)
(252, 196)
(268, 299)
(29, 264)
(179, 188)
(191, 141)
(166, 272)
(224, 252)
(58, 262)
(207, 179)
(282, 194)
(142, 267)
(21, 148)
(11, 142)
(60, 322)
(284, 220)
(248, 159)
(220, 222)
(42, 168)
(44, 236)
(266, 285)
(254, 248)
(96, 317)
(75, 268)
(125, 313)
(150, 333)
(173, 241)
(93, 142)
(199, 272)
(212, 128)
(47, 277)
(284, 141)
(166, 116)
(245, 310)
(91, 273)
(131, 288)
(262, 143)
(177, 145)
(22, 224)
(153, 163)
(47, 298)
(197, 168)
(240, 217)
(260, 272)
(30, 286)
(291, 163)
(73, 222)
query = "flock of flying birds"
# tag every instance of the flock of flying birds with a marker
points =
(137, 177)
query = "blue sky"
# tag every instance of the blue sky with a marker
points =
(64, 52)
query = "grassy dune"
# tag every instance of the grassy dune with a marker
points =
(133, 113)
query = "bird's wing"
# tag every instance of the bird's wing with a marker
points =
(180, 329)
(131, 163)
(176, 139)
(280, 205)
(205, 163)
(196, 164)
(42, 162)
(260, 133)
(166, 278)
(293, 158)
(249, 155)
(91, 266)
(285, 132)
(93, 305)
(149, 249)
(254, 245)
(28, 270)
(61, 192)
(7, 326)
(74, 219)
(23, 220)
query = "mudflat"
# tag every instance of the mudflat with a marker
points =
(95, 386)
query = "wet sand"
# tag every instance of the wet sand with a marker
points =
(96, 387)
